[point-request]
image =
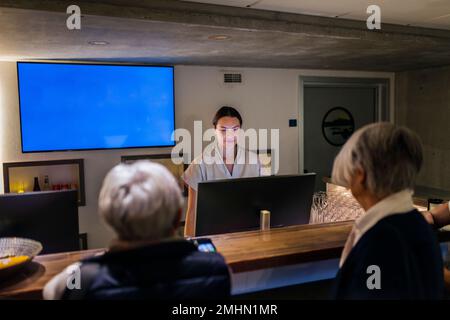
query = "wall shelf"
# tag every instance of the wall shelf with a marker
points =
(18, 177)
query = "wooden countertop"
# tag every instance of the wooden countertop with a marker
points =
(243, 251)
(253, 250)
(31, 280)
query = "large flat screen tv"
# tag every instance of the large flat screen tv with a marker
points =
(71, 106)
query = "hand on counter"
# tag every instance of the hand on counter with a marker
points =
(438, 216)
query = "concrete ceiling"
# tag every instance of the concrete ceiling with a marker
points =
(420, 13)
(175, 32)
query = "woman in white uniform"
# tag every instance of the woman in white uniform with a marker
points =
(227, 160)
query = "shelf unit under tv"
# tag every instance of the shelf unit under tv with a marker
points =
(18, 177)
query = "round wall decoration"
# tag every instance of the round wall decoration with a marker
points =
(337, 126)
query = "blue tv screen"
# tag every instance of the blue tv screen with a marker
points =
(90, 106)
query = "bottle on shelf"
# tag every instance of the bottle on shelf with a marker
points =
(36, 186)
(46, 183)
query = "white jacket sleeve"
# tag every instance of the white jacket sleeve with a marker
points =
(55, 288)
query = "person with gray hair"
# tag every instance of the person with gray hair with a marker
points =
(142, 203)
(391, 252)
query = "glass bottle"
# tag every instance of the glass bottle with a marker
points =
(36, 186)
(46, 183)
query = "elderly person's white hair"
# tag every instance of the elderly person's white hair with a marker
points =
(391, 157)
(140, 201)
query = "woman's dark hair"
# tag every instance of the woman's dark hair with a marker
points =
(226, 112)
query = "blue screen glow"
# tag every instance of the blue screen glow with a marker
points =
(82, 106)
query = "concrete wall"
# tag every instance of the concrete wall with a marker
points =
(266, 99)
(423, 105)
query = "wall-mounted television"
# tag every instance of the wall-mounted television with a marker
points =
(73, 106)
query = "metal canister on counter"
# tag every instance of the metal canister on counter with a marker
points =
(264, 219)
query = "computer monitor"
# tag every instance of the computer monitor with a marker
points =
(50, 217)
(234, 205)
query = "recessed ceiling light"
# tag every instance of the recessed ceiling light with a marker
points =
(219, 37)
(98, 43)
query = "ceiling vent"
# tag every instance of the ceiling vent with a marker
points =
(232, 77)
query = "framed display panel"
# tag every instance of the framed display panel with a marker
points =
(166, 160)
(18, 177)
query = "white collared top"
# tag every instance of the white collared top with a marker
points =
(400, 202)
(210, 166)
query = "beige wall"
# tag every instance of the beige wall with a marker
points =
(266, 99)
(423, 104)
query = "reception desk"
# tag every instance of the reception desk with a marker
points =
(255, 258)
(259, 260)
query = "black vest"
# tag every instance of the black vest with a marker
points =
(168, 270)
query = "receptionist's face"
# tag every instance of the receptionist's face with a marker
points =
(227, 130)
